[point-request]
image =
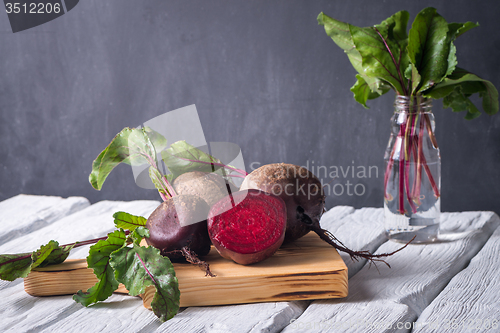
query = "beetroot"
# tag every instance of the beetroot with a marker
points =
(210, 187)
(178, 228)
(305, 203)
(247, 226)
(298, 187)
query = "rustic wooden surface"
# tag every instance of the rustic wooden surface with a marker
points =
(304, 270)
(430, 288)
(477, 287)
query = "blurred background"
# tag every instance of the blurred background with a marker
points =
(262, 74)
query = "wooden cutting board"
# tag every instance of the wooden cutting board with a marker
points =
(303, 270)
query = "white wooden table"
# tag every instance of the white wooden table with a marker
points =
(445, 287)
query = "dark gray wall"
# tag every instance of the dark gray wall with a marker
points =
(262, 74)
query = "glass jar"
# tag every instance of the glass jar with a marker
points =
(412, 180)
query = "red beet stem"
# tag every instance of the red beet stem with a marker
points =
(420, 153)
(169, 187)
(402, 153)
(430, 131)
(413, 152)
(434, 143)
(388, 170)
(241, 172)
(87, 242)
(431, 179)
(408, 149)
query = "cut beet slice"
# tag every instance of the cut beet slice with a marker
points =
(247, 226)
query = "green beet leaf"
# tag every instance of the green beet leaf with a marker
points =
(382, 50)
(458, 29)
(341, 35)
(139, 234)
(139, 267)
(458, 102)
(14, 266)
(42, 253)
(363, 92)
(128, 221)
(422, 62)
(452, 60)
(182, 157)
(469, 84)
(429, 48)
(99, 260)
(455, 30)
(131, 146)
(158, 140)
(50, 254)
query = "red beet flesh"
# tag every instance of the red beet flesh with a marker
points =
(247, 226)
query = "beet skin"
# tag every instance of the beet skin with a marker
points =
(179, 222)
(210, 187)
(298, 187)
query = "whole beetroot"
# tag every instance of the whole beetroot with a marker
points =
(178, 228)
(210, 187)
(298, 187)
(305, 203)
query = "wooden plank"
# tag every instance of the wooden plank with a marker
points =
(24, 214)
(382, 298)
(307, 269)
(21, 312)
(470, 302)
(333, 216)
(92, 222)
(358, 229)
(354, 228)
(247, 317)
(235, 318)
(361, 230)
(257, 317)
(63, 279)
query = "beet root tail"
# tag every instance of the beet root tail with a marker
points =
(355, 255)
(192, 258)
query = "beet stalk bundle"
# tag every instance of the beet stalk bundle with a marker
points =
(418, 64)
(411, 156)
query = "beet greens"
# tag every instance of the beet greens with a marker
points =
(106, 259)
(419, 64)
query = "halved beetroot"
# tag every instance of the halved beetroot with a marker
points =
(247, 226)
